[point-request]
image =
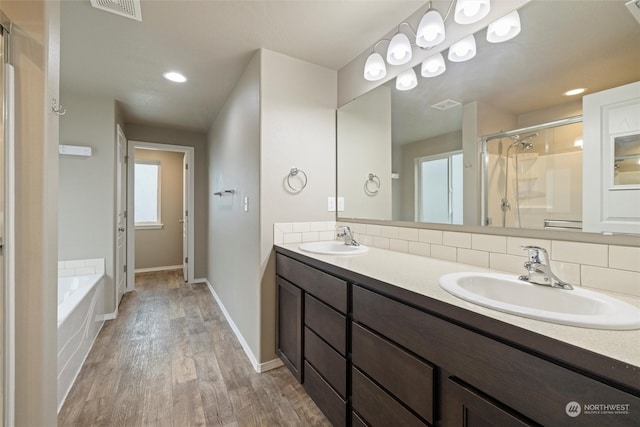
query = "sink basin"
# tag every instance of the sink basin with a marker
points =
(333, 247)
(577, 307)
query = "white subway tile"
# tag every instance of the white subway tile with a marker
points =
(508, 263)
(624, 257)
(419, 248)
(75, 263)
(285, 227)
(609, 279)
(373, 229)
(447, 253)
(82, 271)
(473, 257)
(326, 235)
(301, 227)
(292, 238)
(389, 232)
(381, 242)
(359, 228)
(515, 244)
(489, 243)
(310, 236)
(566, 271)
(412, 234)
(454, 238)
(580, 253)
(278, 235)
(317, 226)
(399, 245)
(431, 236)
(66, 272)
(365, 239)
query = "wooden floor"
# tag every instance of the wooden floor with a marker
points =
(171, 359)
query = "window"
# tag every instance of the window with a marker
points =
(147, 194)
(439, 197)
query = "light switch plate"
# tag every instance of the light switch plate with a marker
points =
(331, 204)
(340, 204)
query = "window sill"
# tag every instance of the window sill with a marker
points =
(149, 226)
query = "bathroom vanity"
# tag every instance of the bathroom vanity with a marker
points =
(376, 342)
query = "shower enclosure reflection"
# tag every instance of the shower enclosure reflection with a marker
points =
(534, 180)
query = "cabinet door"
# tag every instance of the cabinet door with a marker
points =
(463, 406)
(289, 338)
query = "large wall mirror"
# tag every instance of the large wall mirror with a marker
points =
(416, 155)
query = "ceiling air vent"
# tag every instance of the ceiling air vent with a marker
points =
(446, 104)
(129, 8)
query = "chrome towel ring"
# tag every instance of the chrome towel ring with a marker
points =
(302, 177)
(372, 184)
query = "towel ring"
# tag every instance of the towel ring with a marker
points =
(295, 172)
(372, 184)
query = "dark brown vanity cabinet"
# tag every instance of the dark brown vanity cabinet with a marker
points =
(372, 354)
(312, 333)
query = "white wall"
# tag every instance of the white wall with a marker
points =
(364, 146)
(86, 209)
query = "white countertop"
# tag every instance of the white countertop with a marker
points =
(420, 275)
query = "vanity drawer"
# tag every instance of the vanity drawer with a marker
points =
(326, 361)
(402, 374)
(324, 286)
(326, 322)
(329, 402)
(515, 378)
(376, 407)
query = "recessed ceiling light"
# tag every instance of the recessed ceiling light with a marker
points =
(174, 76)
(575, 91)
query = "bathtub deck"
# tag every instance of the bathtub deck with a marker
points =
(170, 358)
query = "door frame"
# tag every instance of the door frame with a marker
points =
(189, 152)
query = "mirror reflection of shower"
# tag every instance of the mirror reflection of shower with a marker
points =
(532, 177)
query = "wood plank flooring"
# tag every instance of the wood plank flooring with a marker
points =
(171, 359)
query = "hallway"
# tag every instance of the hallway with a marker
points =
(171, 359)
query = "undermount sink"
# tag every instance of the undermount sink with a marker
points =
(577, 307)
(333, 247)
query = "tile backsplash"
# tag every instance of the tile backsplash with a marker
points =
(80, 267)
(601, 266)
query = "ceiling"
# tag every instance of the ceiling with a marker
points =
(211, 42)
(563, 44)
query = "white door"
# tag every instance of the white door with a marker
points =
(611, 155)
(121, 216)
(185, 218)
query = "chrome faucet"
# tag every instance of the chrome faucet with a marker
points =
(540, 271)
(347, 236)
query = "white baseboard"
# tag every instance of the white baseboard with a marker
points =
(152, 269)
(107, 316)
(258, 367)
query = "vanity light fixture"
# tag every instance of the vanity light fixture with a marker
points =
(433, 66)
(573, 92)
(406, 80)
(399, 51)
(175, 76)
(463, 50)
(375, 68)
(504, 28)
(470, 11)
(431, 30)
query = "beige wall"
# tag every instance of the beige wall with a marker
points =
(298, 114)
(364, 147)
(87, 185)
(197, 140)
(163, 247)
(234, 164)
(35, 55)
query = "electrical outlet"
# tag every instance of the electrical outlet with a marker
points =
(340, 204)
(331, 204)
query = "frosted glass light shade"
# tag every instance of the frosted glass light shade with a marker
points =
(470, 11)
(374, 68)
(433, 66)
(504, 28)
(430, 30)
(406, 80)
(463, 50)
(399, 51)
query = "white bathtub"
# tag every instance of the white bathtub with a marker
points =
(80, 305)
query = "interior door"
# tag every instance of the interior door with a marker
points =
(185, 218)
(121, 215)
